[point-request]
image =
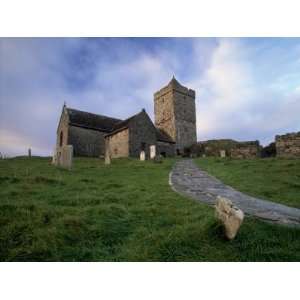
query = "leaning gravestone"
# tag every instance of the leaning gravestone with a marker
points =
(152, 151)
(142, 155)
(65, 156)
(230, 216)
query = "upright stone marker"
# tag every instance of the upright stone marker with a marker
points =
(54, 157)
(142, 155)
(65, 156)
(107, 159)
(222, 153)
(29, 152)
(152, 151)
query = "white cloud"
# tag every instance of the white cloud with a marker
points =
(232, 104)
(235, 97)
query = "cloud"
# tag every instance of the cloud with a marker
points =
(232, 103)
(246, 89)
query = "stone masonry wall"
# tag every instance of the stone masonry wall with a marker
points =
(246, 150)
(288, 145)
(63, 128)
(175, 113)
(164, 111)
(164, 148)
(141, 132)
(119, 144)
(86, 142)
(185, 116)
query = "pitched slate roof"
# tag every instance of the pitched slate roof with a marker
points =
(163, 136)
(122, 124)
(92, 121)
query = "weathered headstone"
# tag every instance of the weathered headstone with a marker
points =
(152, 151)
(64, 158)
(54, 157)
(29, 152)
(222, 153)
(142, 155)
(230, 216)
(107, 159)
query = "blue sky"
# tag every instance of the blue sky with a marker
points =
(246, 88)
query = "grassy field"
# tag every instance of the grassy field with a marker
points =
(122, 212)
(273, 179)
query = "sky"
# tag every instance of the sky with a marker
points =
(246, 88)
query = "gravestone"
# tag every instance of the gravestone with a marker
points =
(54, 157)
(29, 152)
(230, 216)
(142, 155)
(64, 157)
(152, 151)
(107, 159)
(222, 153)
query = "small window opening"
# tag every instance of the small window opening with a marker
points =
(61, 139)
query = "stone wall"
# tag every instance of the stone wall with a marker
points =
(165, 149)
(246, 150)
(185, 118)
(86, 142)
(142, 134)
(228, 147)
(118, 144)
(164, 111)
(288, 145)
(175, 113)
(63, 129)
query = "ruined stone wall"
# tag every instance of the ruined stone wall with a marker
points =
(118, 144)
(86, 142)
(288, 145)
(246, 150)
(142, 133)
(63, 129)
(227, 147)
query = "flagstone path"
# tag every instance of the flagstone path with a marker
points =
(186, 178)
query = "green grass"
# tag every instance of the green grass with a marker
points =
(273, 179)
(122, 212)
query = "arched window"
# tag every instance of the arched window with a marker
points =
(61, 139)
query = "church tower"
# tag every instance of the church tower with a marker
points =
(175, 113)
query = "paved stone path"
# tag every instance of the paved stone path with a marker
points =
(187, 179)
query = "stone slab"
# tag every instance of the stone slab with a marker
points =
(187, 179)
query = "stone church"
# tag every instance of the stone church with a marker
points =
(174, 129)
